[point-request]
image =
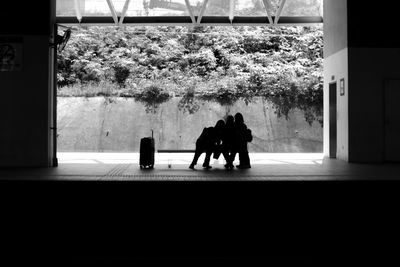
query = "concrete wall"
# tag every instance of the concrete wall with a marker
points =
(117, 124)
(374, 56)
(372, 23)
(25, 17)
(369, 68)
(24, 108)
(335, 26)
(23, 137)
(335, 69)
(366, 55)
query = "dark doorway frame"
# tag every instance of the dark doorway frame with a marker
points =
(333, 120)
(388, 122)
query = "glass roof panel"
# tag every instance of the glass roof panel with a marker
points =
(86, 7)
(196, 6)
(217, 8)
(178, 7)
(241, 8)
(249, 8)
(302, 8)
(66, 7)
(157, 8)
(100, 7)
(163, 7)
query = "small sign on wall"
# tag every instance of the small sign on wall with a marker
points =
(10, 53)
(342, 87)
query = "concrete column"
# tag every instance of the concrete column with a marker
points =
(363, 48)
(24, 107)
(374, 56)
(335, 70)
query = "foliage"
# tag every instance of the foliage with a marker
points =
(188, 102)
(219, 89)
(88, 90)
(221, 64)
(152, 96)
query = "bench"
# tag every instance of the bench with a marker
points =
(175, 151)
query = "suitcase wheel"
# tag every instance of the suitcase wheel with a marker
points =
(147, 167)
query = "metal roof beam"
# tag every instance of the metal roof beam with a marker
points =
(124, 10)
(77, 8)
(279, 11)
(203, 8)
(231, 10)
(268, 7)
(190, 10)
(113, 12)
(186, 21)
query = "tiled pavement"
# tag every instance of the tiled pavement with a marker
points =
(174, 167)
(156, 214)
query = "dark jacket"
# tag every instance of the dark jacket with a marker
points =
(228, 137)
(240, 135)
(208, 137)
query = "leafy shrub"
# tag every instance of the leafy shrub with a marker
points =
(90, 89)
(283, 65)
(188, 102)
(88, 71)
(222, 91)
(152, 96)
(121, 74)
(202, 62)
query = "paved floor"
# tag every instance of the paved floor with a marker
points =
(122, 221)
(174, 167)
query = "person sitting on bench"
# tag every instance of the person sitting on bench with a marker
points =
(228, 140)
(243, 136)
(207, 141)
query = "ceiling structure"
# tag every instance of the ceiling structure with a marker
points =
(189, 12)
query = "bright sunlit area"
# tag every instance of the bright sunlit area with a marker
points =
(119, 84)
(173, 159)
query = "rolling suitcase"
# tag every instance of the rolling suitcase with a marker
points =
(146, 159)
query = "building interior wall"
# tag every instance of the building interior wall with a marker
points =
(369, 59)
(25, 107)
(335, 26)
(382, 33)
(25, 127)
(374, 53)
(336, 69)
(369, 69)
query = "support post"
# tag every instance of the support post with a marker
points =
(203, 8)
(279, 11)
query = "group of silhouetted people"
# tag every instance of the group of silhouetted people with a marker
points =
(229, 137)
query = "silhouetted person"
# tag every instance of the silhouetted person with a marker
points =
(207, 142)
(220, 128)
(242, 137)
(228, 139)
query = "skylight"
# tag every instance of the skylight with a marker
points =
(190, 12)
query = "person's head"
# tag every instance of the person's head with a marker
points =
(229, 120)
(220, 125)
(239, 118)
